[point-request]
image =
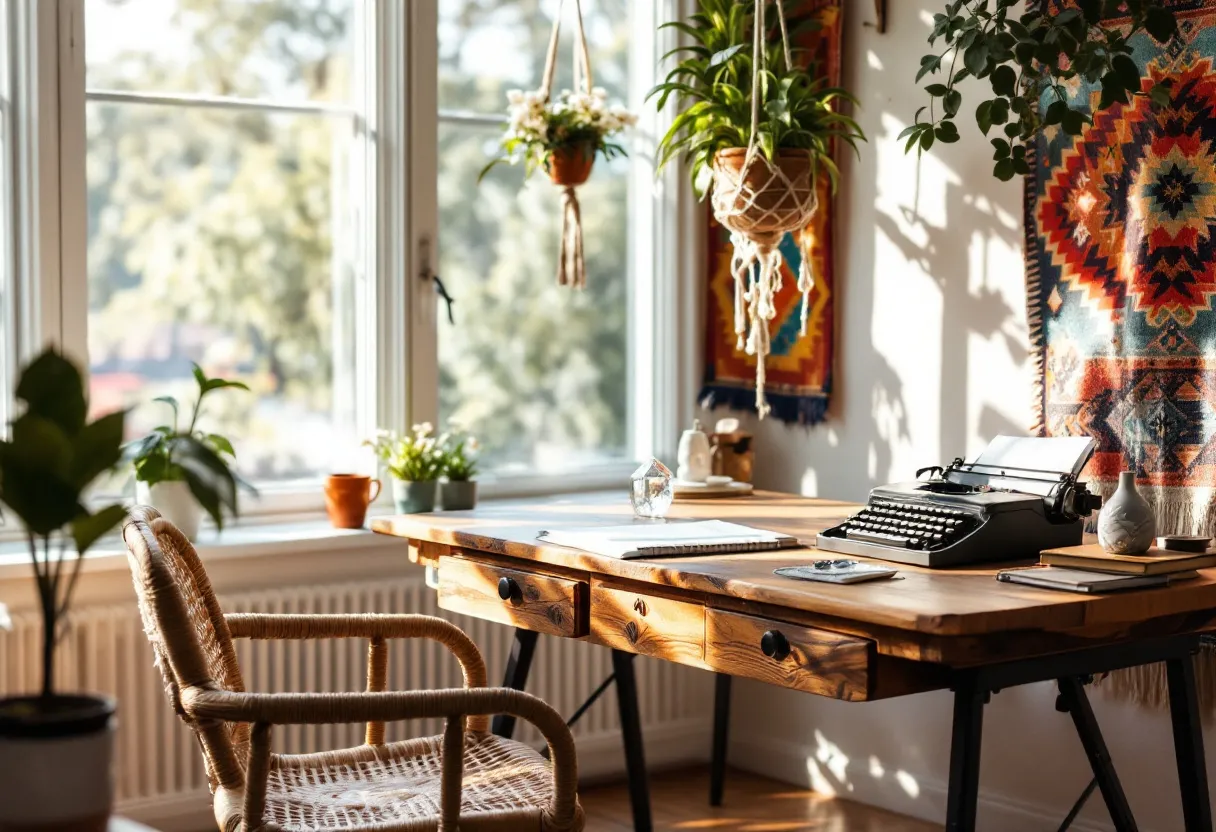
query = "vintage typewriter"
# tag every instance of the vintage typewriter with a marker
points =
(986, 510)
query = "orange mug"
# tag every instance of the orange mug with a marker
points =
(347, 497)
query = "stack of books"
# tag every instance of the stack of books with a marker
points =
(1088, 568)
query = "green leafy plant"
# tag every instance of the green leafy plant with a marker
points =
(713, 85)
(459, 449)
(200, 459)
(47, 464)
(1027, 59)
(415, 457)
(537, 128)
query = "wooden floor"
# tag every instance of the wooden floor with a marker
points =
(680, 801)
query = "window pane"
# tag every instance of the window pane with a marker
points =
(538, 371)
(7, 336)
(277, 49)
(487, 47)
(212, 240)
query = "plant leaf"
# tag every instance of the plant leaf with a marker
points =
(97, 448)
(52, 388)
(88, 528)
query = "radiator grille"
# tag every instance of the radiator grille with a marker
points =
(157, 757)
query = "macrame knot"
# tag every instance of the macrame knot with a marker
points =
(571, 266)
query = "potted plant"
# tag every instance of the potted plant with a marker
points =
(562, 136)
(758, 131)
(182, 473)
(458, 491)
(415, 462)
(47, 464)
(1028, 59)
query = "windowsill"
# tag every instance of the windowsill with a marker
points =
(306, 533)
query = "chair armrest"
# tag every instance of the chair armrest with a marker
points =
(369, 626)
(454, 704)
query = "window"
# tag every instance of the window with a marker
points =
(257, 185)
(219, 136)
(540, 372)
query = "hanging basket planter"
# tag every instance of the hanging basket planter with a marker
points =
(563, 136)
(571, 165)
(763, 199)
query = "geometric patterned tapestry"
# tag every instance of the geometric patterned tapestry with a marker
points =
(799, 368)
(1121, 277)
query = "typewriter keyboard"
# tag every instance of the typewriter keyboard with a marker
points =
(908, 525)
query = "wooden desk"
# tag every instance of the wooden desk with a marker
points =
(926, 630)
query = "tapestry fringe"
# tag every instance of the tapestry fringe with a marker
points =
(790, 408)
(1188, 511)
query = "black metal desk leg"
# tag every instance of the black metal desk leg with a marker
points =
(1188, 745)
(516, 676)
(963, 798)
(1076, 703)
(717, 773)
(631, 734)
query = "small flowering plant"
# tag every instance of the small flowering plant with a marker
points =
(537, 128)
(459, 454)
(416, 456)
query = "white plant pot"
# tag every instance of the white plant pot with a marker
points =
(174, 502)
(56, 770)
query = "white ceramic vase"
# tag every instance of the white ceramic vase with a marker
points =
(56, 769)
(174, 502)
(1126, 525)
(692, 456)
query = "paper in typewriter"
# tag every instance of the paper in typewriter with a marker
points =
(1051, 455)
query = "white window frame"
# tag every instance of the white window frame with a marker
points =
(397, 47)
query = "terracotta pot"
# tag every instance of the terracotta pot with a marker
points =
(347, 497)
(56, 763)
(775, 207)
(571, 165)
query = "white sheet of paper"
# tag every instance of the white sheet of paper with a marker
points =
(1062, 454)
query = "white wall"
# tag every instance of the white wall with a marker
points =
(932, 361)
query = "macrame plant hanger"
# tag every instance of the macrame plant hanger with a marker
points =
(571, 268)
(759, 203)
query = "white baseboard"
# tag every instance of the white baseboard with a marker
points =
(601, 757)
(917, 796)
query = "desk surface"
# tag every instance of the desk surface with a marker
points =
(936, 602)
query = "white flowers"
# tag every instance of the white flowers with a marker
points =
(586, 116)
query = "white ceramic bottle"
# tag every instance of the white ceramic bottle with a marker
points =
(1126, 525)
(692, 457)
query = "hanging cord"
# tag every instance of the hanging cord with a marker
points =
(571, 263)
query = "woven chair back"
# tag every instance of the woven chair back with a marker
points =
(190, 640)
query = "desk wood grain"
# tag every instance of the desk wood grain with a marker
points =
(955, 617)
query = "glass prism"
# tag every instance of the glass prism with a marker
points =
(650, 490)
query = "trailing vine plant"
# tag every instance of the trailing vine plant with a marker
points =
(1027, 59)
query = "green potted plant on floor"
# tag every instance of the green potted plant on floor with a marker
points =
(182, 473)
(56, 750)
(415, 463)
(459, 490)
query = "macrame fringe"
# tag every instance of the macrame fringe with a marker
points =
(1146, 685)
(571, 265)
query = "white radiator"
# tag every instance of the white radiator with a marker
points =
(159, 766)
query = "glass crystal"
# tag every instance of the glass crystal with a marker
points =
(650, 490)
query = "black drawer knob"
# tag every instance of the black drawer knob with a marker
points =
(775, 645)
(508, 589)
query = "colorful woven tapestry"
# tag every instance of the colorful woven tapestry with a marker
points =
(799, 369)
(1121, 274)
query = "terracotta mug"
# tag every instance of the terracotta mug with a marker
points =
(347, 497)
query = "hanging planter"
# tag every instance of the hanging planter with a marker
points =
(563, 136)
(758, 140)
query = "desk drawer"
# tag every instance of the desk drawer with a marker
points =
(802, 658)
(534, 601)
(647, 624)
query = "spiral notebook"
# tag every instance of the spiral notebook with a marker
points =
(648, 540)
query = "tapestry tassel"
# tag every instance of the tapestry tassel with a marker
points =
(571, 266)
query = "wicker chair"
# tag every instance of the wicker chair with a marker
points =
(466, 778)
